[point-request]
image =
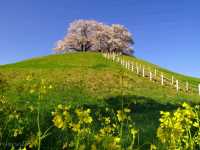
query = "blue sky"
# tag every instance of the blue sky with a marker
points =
(166, 33)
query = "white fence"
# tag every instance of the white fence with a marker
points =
(154, 74)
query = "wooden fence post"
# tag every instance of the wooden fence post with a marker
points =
(132, 67)
(128, 65)
(155, 73)
(123, 62)
(199, 89)
(143, 73)
(177, 86)
(162, 79)
(150, 76)
(137, 69)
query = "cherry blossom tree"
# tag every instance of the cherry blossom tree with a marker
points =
(90, 35)
(120, 38)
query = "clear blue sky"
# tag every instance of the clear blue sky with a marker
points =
(166, 33)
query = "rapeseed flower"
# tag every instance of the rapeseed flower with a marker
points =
(58, 121)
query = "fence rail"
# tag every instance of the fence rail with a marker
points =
(154, 74)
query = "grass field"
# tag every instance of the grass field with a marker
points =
(86, 80)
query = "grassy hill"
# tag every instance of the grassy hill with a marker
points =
(90, 79)
(97, 77)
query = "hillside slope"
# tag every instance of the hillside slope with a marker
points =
(89, 79)
(96, 77)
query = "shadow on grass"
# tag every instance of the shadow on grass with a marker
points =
(145, 113)
(139, 103)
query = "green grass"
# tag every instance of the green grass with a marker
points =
(90, 79)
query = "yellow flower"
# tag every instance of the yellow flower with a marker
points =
(88, 119)
(107, 120)
(105, 130)
(117, 139)
(17, 132)
(186, 105)
(84, 115)
(134, 131)
(75, 127)
(196, 124)
(127, 110)
(114, 125)
(60, 106)
(153, 147)
(24, 148)
(121, 116)
(88, 111)
(58, 122)
(53, 113)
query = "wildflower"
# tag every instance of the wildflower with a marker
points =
(130, 125)
(75, 127)
(23, 148)
(153, 147)
(53, 113)
(114, 125)
(88, 111)
(105, 130)
(196, 124)
(32, 141)
(58, 122)
(66, 107)
(17, 132)
(107, 120)
(65, 145)
(127, 110)
(60, 106)
(121, 116)
(88, 119)
(175, 128)
(84, 115)
(185, 105)
(117, 140)
(134, 131)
